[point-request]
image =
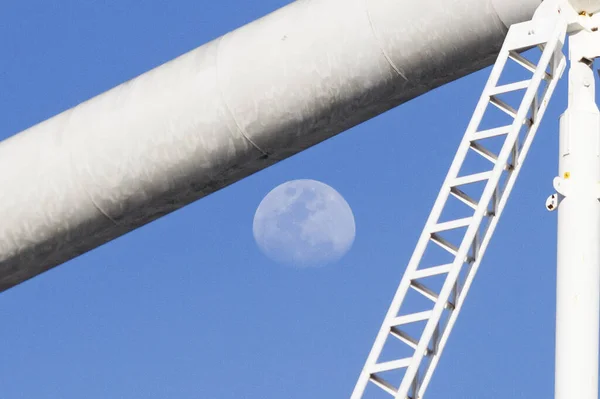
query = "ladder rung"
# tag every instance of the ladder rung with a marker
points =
(474, 178)
(411, 318)
(426, 292)
(391, 365)
(432, 271)
(451, 225)
(404, 337)
(510, 87)
(486, 134)
(525, 63)
(484, 152)
(444, 244)
(502, 106)
(463, 197)
(383, 384)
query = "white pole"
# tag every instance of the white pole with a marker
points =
(578, 277)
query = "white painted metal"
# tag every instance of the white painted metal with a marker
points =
(578, 186)
(226, 110)
(589, 6)
(578, 277)
(488, 206)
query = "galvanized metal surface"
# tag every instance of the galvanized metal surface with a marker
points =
(225, 110)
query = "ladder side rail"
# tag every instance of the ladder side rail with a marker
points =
(425, 236)
(538, 108)
(486, 197)
(493, 223)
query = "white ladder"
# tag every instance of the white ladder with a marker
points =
(464, 239)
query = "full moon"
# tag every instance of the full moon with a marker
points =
(304, 223)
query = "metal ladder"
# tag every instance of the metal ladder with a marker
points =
(465, 239)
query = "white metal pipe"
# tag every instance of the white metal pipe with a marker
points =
(578, 277)
(225, 110)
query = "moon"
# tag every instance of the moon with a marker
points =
(304, 223)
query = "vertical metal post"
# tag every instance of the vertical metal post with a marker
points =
(578, 275)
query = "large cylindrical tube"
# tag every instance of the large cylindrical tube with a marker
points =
(225, 110)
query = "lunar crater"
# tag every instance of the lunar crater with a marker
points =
(304, 223)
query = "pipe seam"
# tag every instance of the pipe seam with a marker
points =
(73, 165)
(378, 41)
(226, 104)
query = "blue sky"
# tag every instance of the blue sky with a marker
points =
(188, 307)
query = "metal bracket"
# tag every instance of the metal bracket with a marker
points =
(552, 10)
(562, 186)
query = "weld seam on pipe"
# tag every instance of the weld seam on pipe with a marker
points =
(73, 167)
(225, 102)
(378, 41)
